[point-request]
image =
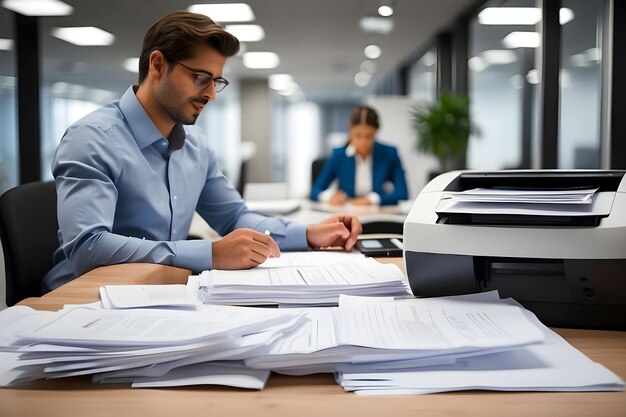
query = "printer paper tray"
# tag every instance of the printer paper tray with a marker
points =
(526, 214)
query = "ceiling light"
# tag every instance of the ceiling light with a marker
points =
(84, 36)
(6, 44)
(522, 40)
(362, 78)
(518, 16)
(372, 51)
(476, 64)
(376, 24)
(246, 33)
(38, 7)
(132, 65)
(231, 12)
(280, 81)
(580, 60)
(533, 76)
(499, 56)
(518, 81)
(385, 11)
(289, 89)
(429, 59)
(368, 66)
(260, 60)
(594, 54)
(510, 16)
(565, 15)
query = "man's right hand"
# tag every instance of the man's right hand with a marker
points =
(243, 249)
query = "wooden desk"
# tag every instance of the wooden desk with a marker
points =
(315, 395)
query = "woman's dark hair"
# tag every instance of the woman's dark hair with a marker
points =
(178, 34)
(364, 115)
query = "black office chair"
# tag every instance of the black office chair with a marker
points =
(316, 168)
(28, 230)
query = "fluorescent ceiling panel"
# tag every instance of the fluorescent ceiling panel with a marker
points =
(231, 12)
(280, 81)
(522, 40)
(6, 44)
(84, 36)
(247, 33)
(38, 7)
(518, 16)
(260, 60)
(132, 65)
(499, 56)
(376, 24)
(476, 64)
(510, 16)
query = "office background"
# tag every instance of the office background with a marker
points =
(551, 99)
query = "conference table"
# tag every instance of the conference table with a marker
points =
(314, 395)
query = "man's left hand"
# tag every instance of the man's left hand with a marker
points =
(339, 230)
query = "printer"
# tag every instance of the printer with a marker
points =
(564, 262)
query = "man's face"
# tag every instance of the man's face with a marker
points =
(177, 95)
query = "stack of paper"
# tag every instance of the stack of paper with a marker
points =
(553, 365)
(531, 196)
(144, 296)
(303, 285)
(568, 202)
(373, 334)
(147, 347)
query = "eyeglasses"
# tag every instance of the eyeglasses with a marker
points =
(202, 81)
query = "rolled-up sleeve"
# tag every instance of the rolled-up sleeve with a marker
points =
(224, 209)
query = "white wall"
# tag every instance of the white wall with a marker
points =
(396, 129)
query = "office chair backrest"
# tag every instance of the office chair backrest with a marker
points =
(28, 229)
(316, 168)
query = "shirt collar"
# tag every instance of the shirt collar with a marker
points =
(144, 130)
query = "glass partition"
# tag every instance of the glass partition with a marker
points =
(9, 159)
(581, 85)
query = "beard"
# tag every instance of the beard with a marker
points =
(170, 104)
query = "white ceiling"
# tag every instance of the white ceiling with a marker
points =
(319, 41)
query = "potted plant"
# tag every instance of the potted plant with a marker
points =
(443, 129)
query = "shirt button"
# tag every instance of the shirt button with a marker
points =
(164, 143)
(175, 198)
(174, 231)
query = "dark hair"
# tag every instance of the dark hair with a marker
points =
(177, 35)
(363, 115)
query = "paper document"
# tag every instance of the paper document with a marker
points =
(138, 296)
(312, 258)
(303, 285)
(600, 205)
(553, 365)
(365, 333)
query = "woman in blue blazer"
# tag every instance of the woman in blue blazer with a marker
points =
(369, 172)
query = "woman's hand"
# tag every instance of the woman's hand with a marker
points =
(338, 199)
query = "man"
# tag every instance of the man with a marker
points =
(130, 175)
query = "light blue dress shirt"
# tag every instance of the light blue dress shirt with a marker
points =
(126, 194)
